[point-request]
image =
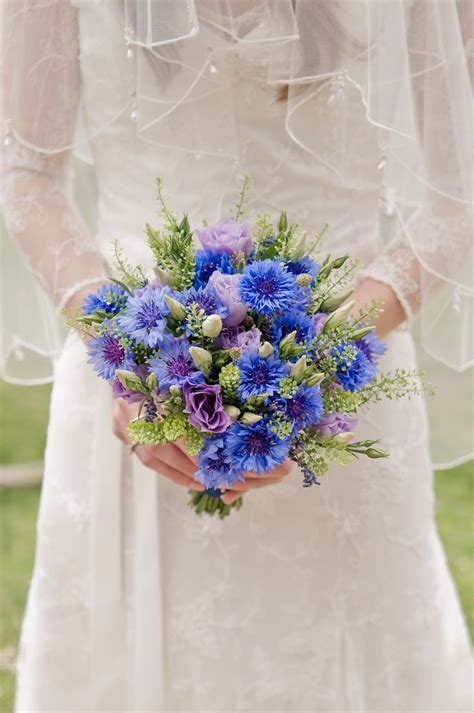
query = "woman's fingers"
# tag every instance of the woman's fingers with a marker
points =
(230, 496)
(165, 469)
(280, 471)
(256, 483)
(173, 456)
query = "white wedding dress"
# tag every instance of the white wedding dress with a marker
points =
(337, 598)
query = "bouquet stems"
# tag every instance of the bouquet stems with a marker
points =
(210, 502)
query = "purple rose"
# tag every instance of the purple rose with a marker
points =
(226, 288)
(250, 339)
(226, 236)
(204, 407)
(333, 423)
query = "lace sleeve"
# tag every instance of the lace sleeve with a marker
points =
(428, 263)
(41, 90)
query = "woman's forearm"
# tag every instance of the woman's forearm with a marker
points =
(393, 313)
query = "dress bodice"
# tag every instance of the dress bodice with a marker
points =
(284, 175)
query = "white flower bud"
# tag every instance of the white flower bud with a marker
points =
(298, 368)
(201, 358)
(250, 418)
(338, 317)
(334, 301)
(289, 339)
(175, 390)
(130, 380)
(232, 411)
(212, 326)
(298, 247)
(162, 275)
(343, 439)
(314, 379)
(266, 350)
(304, 279)
(362, 332)
(152, 381)
(176, 308)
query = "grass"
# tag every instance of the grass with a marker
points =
(18, 510)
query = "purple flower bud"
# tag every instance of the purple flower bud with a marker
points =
(226, 236)
(205, 408)
(333, 423)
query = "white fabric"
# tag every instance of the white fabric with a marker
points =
(379, 100)
(334, 599)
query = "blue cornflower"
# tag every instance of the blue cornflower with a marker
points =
(291, 321)
(216, 465)
(174, 364)
(107, 354)
(305, 408)
(109, 298)
(259, 375)
(355, 370)
(144, 319)
(267, 287)
(204, 299)
(208, 262)
(304, 265)
(256, 447)
(372, 346)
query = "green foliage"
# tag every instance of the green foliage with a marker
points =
(174, 426)
(172, 246)
(242, 197)
(263, 233)
(281, 426)
(229, 381)
(403, 383)
(193, 440)
(340, 401)
(288, 387)
(146, 433)
(126, 276)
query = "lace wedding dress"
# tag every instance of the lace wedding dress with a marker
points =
(334, 599)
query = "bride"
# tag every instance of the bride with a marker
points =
(354, 113)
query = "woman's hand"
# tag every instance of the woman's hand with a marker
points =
(169, 460)
(174, 463)
(253, 481)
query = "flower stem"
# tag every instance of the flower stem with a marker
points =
(210, 502)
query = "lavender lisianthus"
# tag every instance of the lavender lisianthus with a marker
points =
(203, 404)
(333, 423)
(226, 288)
(249, 340)
(227, 235)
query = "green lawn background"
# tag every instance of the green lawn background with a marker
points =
(22, 438)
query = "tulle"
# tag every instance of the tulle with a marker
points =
(407, 62)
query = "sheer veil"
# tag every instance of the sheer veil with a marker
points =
(409, 61)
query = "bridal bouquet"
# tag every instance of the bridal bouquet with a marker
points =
(245, 348)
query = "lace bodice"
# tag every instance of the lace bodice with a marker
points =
(284, 175)
(77, 60)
